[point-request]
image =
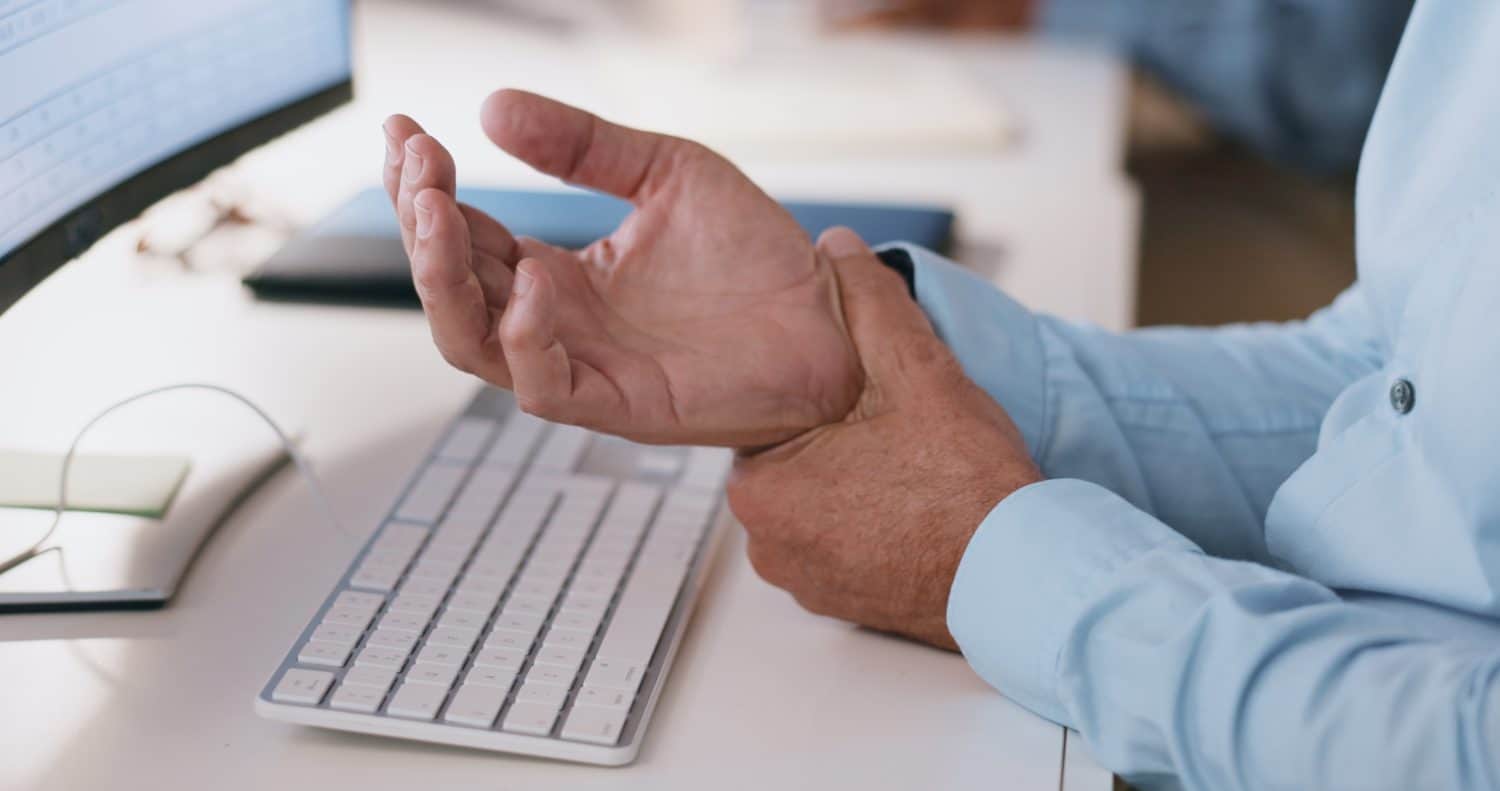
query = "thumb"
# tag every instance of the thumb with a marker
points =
(577, 146)
(895, 341)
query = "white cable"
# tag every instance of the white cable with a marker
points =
(303, 467)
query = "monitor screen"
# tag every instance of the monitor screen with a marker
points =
(96, 92)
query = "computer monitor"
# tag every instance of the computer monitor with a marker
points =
(107, 106)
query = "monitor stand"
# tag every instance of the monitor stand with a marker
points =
(114, 561)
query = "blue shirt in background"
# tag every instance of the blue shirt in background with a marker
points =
(1295, 79)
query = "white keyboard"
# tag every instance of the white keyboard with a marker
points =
(526, 594)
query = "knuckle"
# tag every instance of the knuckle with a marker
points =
(812, 604)
(515, 335)
(457, 360)
(536, 404)
(764, 562)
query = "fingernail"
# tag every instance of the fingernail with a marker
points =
(842, 242)
(424, 216)
(522, 283)
(412, 170)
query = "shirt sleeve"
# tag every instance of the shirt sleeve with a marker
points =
(1295, 79)
(1197, 427)
(1179, 668)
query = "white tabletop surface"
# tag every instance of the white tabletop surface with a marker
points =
(763, 695)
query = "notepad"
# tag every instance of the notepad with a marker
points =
(135, 485)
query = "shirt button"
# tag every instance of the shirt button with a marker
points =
(1403, 396)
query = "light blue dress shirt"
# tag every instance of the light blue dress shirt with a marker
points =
(1268, 557)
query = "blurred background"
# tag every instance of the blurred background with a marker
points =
(1243, 120)
(1126, 163)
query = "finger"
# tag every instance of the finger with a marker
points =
(461, 322)
(496, 254)
(538, 362)
(397, 129)
(425, 165)
(579, 147)
(547, 382)
(890, 332)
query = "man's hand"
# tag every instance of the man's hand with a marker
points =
(866, 519)
(707, 317)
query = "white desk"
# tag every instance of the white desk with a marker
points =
(763, 695)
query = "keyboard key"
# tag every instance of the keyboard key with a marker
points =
(381, 657)
(594, 724)
(403, 621)
(566, 638)
(500, 658)
(512, 640)
(592, 587)
(563, 449)
(369, 676)
(611, 674)
(516, 439)
(327, 654)
(585, 605)
(590, 695)
(417, 701)
(336, 633)
(447, 552)
(491, 677)
(476, 705)
(303, 686)
(432, 673)
(359, 601)
(532, 718)
(482, 586)
(519, 622)
(425, 502)
(538, 587)
(482, 604)
(442, 572)
(422, 587)
(462, 639)
(462, 619)
(352, 697)
(550, 674)
(346, 616)
(379, 578)
(528, 605)
(418, 604)
(588, 623)
(391, 638)
(443, 655)
(561, 657)
(550, 694)
(399, 536)
(466, 439)
(298, 685)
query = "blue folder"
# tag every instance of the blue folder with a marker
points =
(355, 255)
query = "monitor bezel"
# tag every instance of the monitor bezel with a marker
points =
(71, 235)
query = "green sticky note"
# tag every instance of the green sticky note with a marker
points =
(135, 485)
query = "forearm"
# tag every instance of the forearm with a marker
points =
(1222, 674)
(1197, 427)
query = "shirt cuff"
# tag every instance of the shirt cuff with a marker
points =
(1030, 572)
(995, 338)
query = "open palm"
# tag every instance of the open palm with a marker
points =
(707, 317)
